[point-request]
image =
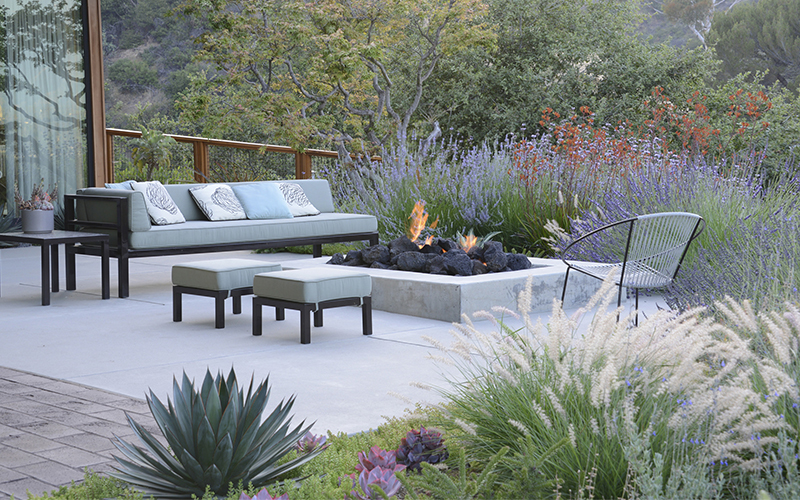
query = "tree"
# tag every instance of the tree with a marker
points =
(558, 55)
(326, 69)
(762, 36)
(696, 14)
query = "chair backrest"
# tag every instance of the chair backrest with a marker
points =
(657, 244)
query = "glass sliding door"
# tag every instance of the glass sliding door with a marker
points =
(43, 105)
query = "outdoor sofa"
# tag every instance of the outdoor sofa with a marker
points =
(123, 214)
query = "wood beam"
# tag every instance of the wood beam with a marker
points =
(94, 58)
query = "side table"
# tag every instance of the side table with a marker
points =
(49, 243)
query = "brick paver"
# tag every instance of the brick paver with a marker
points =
(51, 431)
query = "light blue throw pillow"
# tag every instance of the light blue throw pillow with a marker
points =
(262, 201)
(120, 185)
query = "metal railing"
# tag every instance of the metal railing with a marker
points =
(201, 157)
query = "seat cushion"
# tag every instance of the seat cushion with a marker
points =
(221, 274)
(312, 286)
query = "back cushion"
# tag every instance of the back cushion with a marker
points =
(181, 196)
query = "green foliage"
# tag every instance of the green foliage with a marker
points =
(759, 37)
(151, 152)
(216, 438)
(460, 484)
(133, 75)
(93, 487)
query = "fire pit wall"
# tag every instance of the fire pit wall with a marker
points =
(446, 297)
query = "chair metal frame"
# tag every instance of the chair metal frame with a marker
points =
(642, 250)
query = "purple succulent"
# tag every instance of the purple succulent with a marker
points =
(423, 445)
(310, 442)
(263, 495)
(378, 476)
(386, 459)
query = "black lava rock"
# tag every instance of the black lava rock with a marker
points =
(495, 261)
(446, 245)
(517, 262)
(434, 249)
(412, 261)
(379, 265)
(436, 265)
(479, 267)
(353, 258)
(336, 259)
(377, 253)
(476, 252)
(457, 263)
(402, 244)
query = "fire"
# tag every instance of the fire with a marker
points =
(419, 218)
(468, 242)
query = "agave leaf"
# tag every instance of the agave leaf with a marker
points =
(198, 418)
(228, 421)
(156, 448)
(208, 384)
(145, 468)
(244, 445)
(223, 454)
(213, 478)
(182, 413)
(169, 425)
(206, 444)
(192, 467)
(213, 408)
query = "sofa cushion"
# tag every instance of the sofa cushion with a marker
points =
(217, 202)
(160, 207)
(262, 200)
(120, 185)
(297, 200)
(198, 233)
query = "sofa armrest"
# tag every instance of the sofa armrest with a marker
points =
(95, 209)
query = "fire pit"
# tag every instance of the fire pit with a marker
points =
(437, 256)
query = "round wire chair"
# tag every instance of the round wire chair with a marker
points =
(646, 251)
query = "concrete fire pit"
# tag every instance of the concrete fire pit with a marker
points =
(446, 298)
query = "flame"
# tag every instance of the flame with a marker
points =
(419, 218)
(468, 242)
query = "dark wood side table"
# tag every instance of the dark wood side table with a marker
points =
(49, 243)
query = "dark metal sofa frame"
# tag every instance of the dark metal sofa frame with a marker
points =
(119, 245)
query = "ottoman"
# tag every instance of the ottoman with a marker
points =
(216, 278)
(309, 290)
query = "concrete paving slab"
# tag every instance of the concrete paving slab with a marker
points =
(21, 487)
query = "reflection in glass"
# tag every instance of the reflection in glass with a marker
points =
(43, 106)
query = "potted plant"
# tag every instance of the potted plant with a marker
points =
(37, 211)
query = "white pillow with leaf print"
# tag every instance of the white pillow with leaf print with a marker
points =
(297, 200)
(218, 202)
(160, 207)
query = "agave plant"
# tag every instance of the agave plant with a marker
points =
(215, 439)
(386, 459)
(423, 445)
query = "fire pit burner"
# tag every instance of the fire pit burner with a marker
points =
(437, 256)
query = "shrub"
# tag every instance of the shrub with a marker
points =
(132, 75)
(667, 406)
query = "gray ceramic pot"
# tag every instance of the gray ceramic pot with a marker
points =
(37, 221)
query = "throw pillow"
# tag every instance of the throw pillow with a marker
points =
(160, 207)
(296, 199)
(120, 185)
(217, 202)
(262, 201)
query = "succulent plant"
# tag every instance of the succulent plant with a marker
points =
(40, 199)
(423, 445)
(216, 437)
(386, 459)
(310, 442)
(385, 479)
(263, 495)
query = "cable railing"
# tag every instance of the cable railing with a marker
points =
(203, 164)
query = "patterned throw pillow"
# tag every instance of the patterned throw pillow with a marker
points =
(296, 199)
(160, 207)
(218, 202)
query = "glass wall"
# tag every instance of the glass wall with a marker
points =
(43, 106)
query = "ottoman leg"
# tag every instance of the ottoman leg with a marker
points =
(366, 315)
(177, 306)
(219, 309)
(280, 314)
(237, 304)
(318, 317)
(256, 317)
(305, 323)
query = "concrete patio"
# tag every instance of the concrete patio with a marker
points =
(69, 371)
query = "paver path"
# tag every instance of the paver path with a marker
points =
(52, 430)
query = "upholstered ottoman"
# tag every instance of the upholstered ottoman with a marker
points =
(309, 290)
(216, 278)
